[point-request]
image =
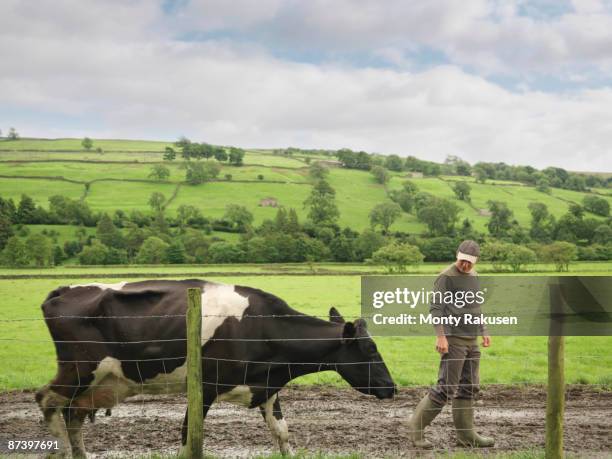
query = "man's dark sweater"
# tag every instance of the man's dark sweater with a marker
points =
(453, 280)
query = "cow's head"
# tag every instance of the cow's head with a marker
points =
(358, 360)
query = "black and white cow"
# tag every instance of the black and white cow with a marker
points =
(118, 340)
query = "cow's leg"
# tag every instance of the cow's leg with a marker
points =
(271, 411)
(208, 401)
(74, 416)
(51, 404)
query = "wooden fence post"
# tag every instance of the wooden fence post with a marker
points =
(555, 396)
(195, 431)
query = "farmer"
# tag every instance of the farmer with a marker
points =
(457, 344)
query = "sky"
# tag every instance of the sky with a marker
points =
(523, 82)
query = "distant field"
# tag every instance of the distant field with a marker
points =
(356, 191)
(75, 144)
(212, 198)
(109, 196)
(39, 190)
(412, 361)
(92, 171)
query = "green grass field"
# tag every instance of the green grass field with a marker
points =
(75, 144)
(356, 191)
(38, 189)
(412, 361)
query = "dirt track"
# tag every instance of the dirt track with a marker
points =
(326, 420)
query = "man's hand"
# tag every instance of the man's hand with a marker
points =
(486, 341)
(441, 344)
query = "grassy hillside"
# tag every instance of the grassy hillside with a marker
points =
(124, 161)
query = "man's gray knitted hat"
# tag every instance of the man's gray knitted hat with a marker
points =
(468, 250)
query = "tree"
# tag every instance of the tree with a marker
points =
(380, 174)
(384, 214)
(94, 254)
(561, 254)
(134, 238)
(322, 204)
(367, 243)
(410, 187)
(239, 216)
(14, 253)
(176, 253)
(87, 143)
(169, 154)
(542, 223)
(199, 173)
(318, 171)
(156, 201)
(543, 185)
(397, 256)
(480, 173)
(438, 249)
(236, 156)
(6, 230)
(500, 222)
(225, 252)
(159, 172)
(596, 205)
(517, 256)
(440, 215)
(220, 154)
(342, 248)
(495, 253)
(462, 191)
(403, 198)
(152, 251)
(13, 135)
(108, 233)
(394, 163)
(602, 234)
(58, 255)
(26, 211)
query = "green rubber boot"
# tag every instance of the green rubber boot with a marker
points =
(463, 417)
(424, 413)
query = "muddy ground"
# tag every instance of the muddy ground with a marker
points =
(327, 420)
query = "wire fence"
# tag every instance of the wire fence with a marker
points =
(521, 401)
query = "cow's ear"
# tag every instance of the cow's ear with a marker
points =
(349, 331)
(335, 316)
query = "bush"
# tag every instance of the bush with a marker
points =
(398, 256)
(153, 251)
(596, 205)
(559, 253)
(224, 252)
(513, 255)
(94, 254)
(517, 256)
(438, 249)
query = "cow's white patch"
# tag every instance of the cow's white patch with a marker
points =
(174, 382)
(117, 286)
(109, 386)
(239, 395)
(220, 301)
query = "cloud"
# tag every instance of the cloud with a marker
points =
(143, 83)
